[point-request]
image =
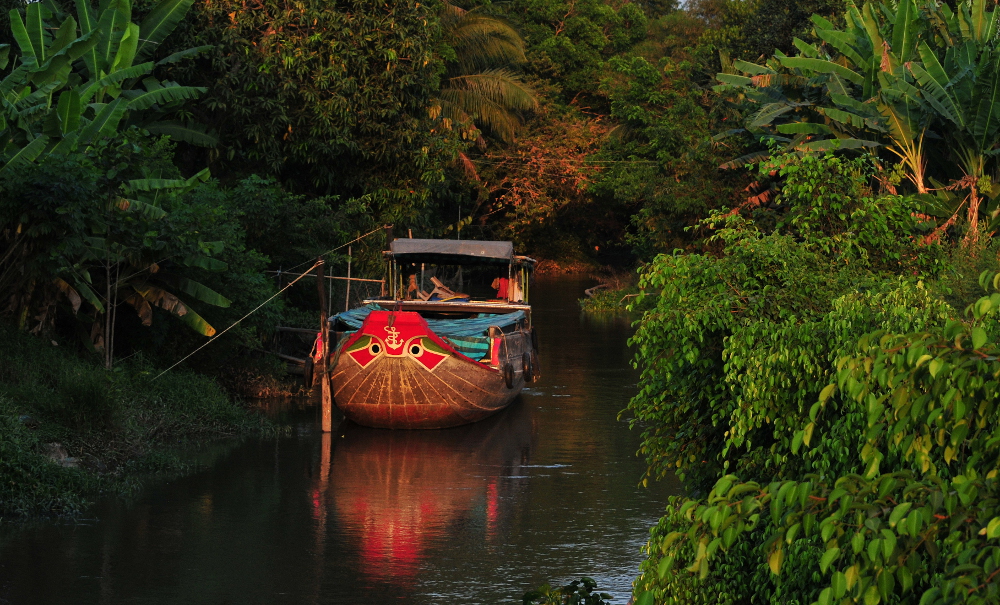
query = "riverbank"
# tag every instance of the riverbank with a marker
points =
(71, 430)
(614, 293)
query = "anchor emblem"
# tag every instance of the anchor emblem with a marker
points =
(392, 340)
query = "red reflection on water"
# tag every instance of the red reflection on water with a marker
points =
(396, 494)
(492, 510)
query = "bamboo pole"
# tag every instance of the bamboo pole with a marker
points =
(324, 324)
(347, 297)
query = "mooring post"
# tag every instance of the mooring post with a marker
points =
(347, 297)
(324, 328)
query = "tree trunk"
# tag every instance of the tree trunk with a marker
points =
(972, 237)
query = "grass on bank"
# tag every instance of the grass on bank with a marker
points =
(614, 294)
(115, 423)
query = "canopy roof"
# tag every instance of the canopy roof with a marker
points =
(453, 251)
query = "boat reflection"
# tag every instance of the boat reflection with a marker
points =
(397, 494)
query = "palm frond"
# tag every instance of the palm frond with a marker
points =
(490, 98)
(501, 86)
(482, 41)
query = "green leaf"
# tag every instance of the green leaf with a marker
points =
(200, 291)
(105, 122)
(167, 94)
(822, 66)
(838, 584)
(993, 528)
(68, 111)
(113, 19)
(64, 36)
(126, 48)
(28, 53)
(978, 337)
(807, 432)
(826, 393)
(733, 79)
(35, 26)
(905, 577)
(197, 323)
(25, 155)
(825, 597)
(934, 367)
(899, 512)
(904, 30)
(835, 144)
(159, 22)
(195, 134)
(872, 596)
(888, 544)
(775, 559)
(803, 128)
(87, 23)
(664, 566)
(828, 558)
(645, 598)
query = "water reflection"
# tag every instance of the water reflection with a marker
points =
(397, 493)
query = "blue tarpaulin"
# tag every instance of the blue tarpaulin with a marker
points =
(468, 336)
(461, 328)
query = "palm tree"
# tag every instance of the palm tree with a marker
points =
(479, 88)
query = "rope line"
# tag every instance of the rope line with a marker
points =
(357, 239)
(211, 340)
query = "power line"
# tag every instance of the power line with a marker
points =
(211, 340)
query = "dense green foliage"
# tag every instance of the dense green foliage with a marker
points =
(736, 341)
(331, 97)
(912, 515)
(881, 491)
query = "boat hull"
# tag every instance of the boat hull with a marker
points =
(396, 373)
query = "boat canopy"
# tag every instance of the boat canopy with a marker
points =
(454, 252)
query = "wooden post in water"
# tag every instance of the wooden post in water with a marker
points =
(324, 327)
(347, 297)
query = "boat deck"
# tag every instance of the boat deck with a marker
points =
(446, 306)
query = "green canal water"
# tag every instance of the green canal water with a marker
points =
(545, 491)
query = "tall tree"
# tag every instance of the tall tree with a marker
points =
(330, 97)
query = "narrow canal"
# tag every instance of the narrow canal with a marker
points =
(545, 491)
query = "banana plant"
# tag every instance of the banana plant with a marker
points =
(142, 271)
(899, 77)
(84, 81)
(88, 80)
(845, 92)
(965, 92)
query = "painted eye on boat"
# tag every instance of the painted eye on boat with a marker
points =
(416, 350)
(375, 348)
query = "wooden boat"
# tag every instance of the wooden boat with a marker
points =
(427, 360)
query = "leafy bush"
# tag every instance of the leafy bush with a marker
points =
(735, 345)
(915, 519)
